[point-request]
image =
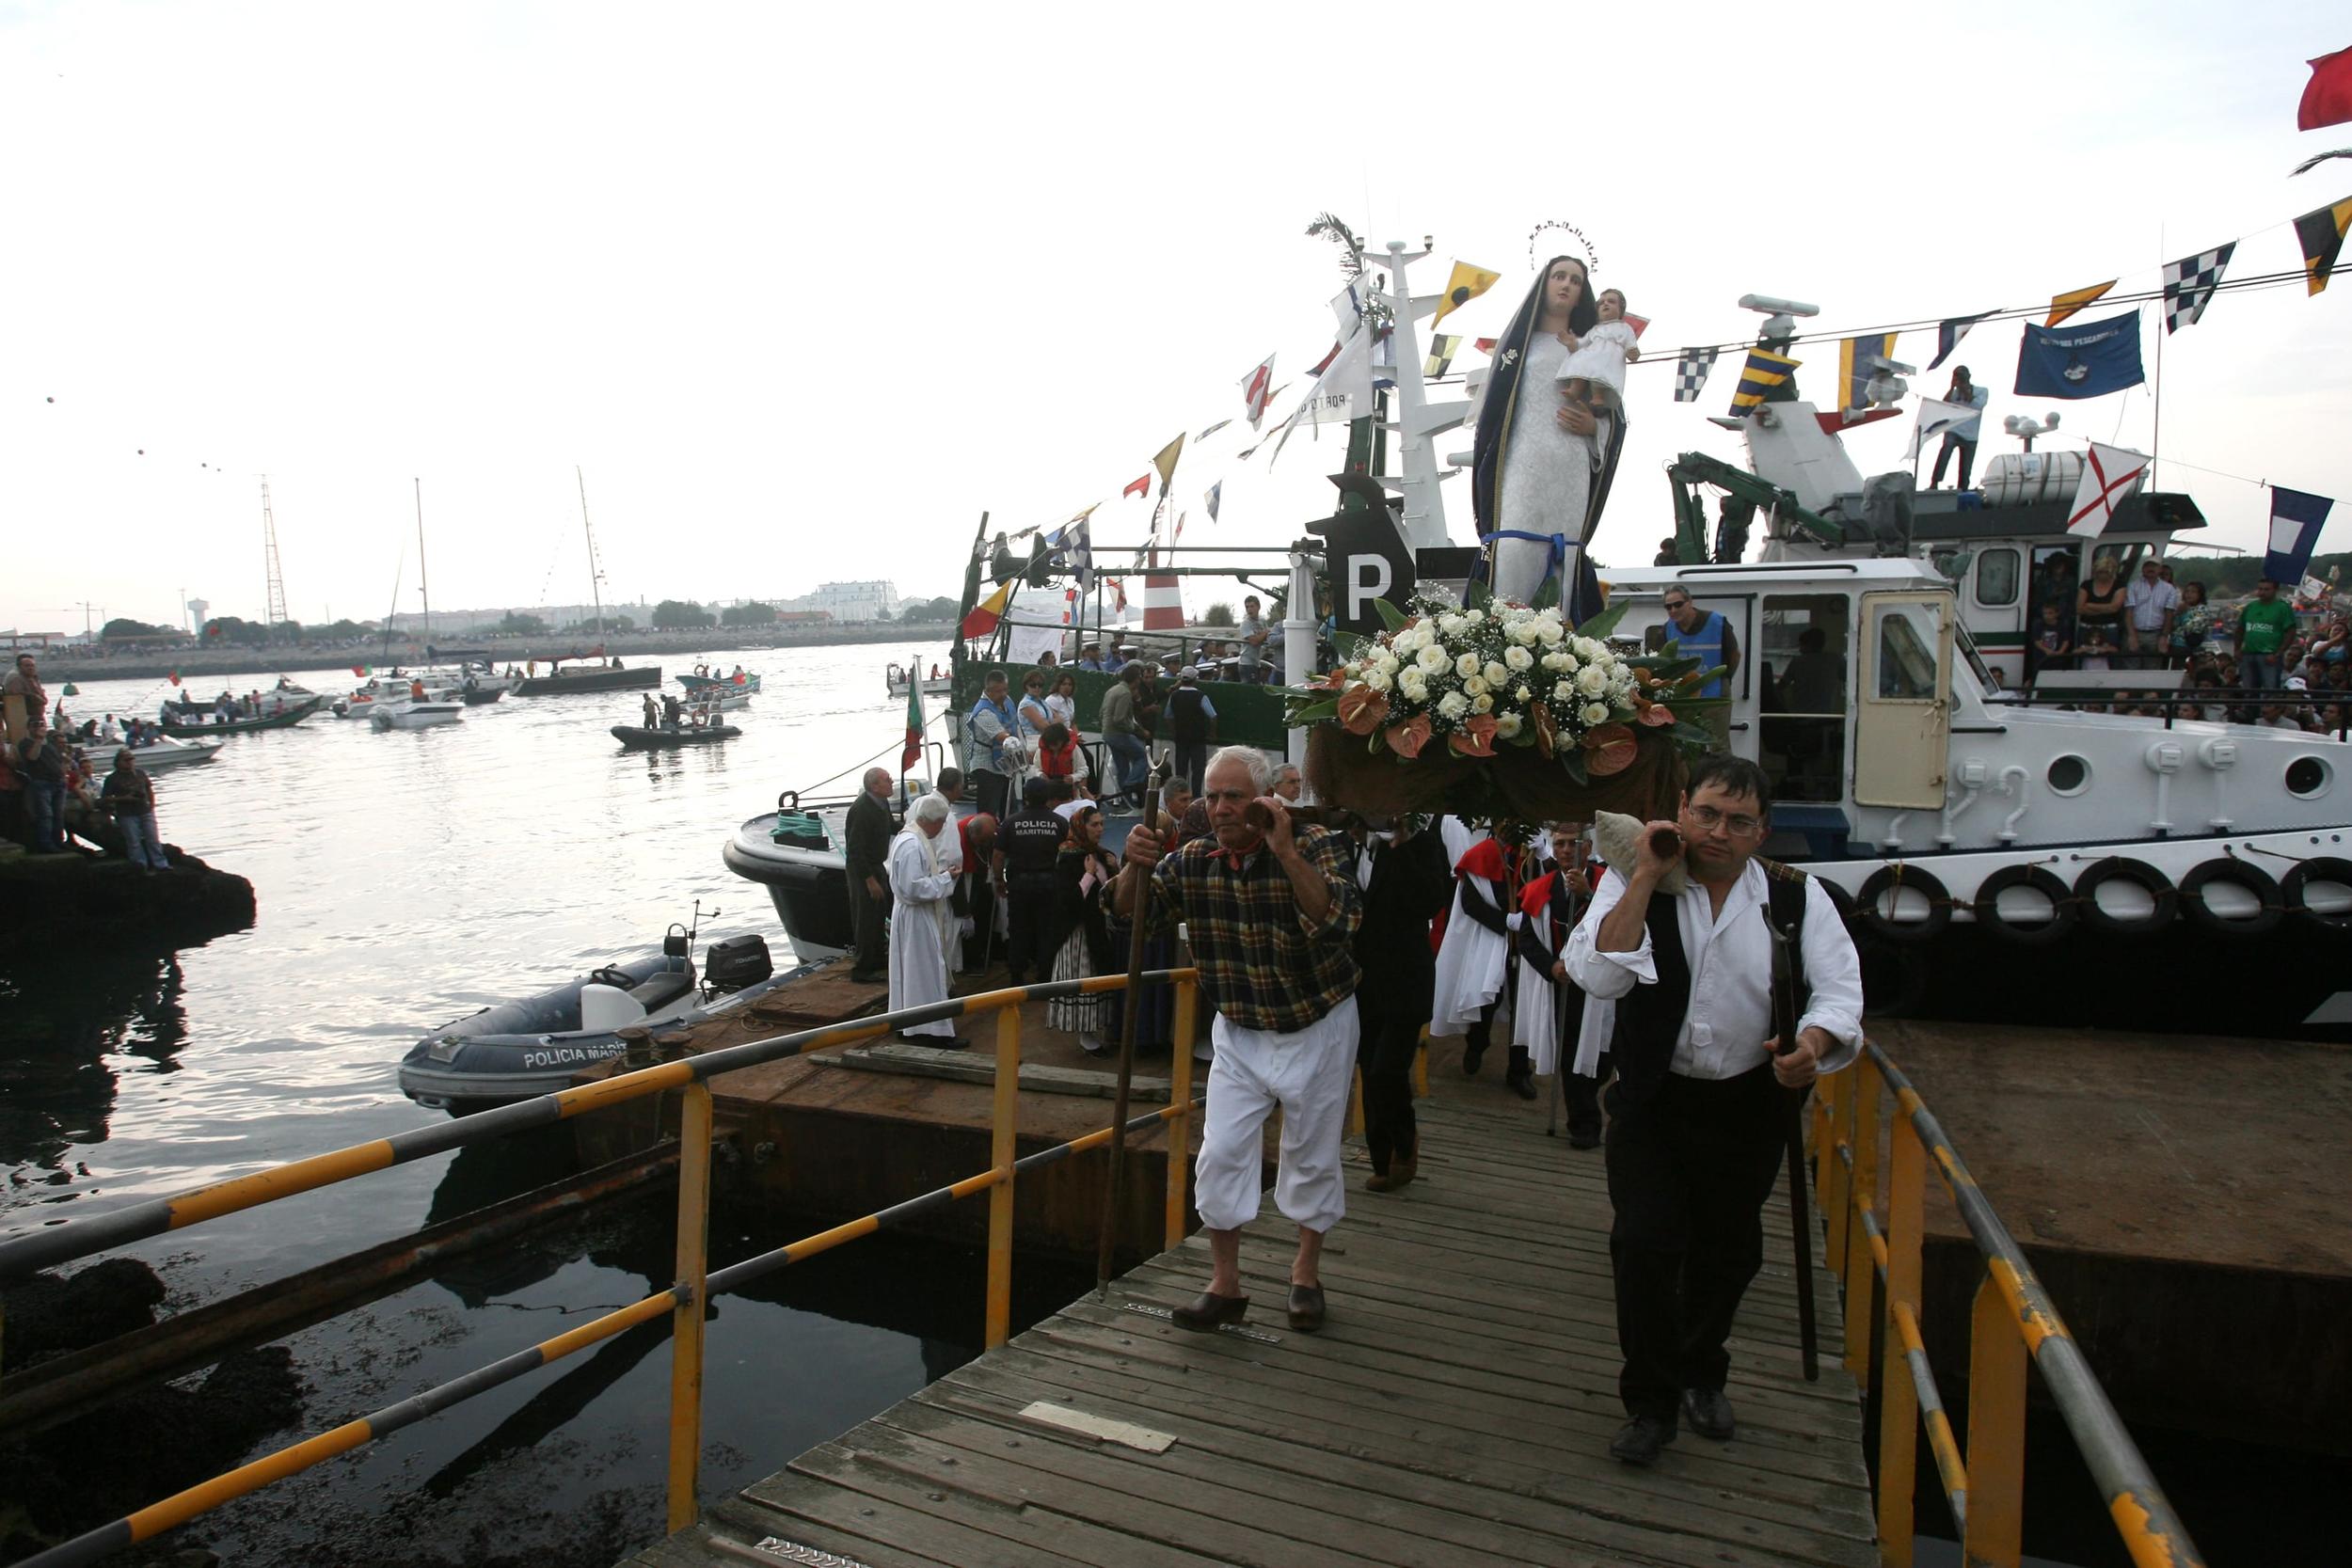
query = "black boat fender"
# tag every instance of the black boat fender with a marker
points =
(1889, 883)
(2139, 874)
(2253, 880)
(2041, 880)
(2295, 891)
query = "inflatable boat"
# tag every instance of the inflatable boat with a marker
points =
(533, 1045)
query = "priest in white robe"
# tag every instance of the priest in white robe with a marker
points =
(922, 921)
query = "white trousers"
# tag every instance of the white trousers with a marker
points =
(1308, 1072)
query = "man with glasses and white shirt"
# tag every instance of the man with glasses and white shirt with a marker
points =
(1698, 1116)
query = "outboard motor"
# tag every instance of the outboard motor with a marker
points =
(737, 962)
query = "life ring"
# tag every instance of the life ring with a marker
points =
(1889, 881)
(2320, 868)
(2041, 880)
(2247, 879)
(2139, 874)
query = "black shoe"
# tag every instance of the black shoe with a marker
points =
(869, 977)
(1584, 1135)
(1639, 1440)
(1306, 1307)
(1210, 1311)
(1472, 1055)
(1710, 1412)
(937, 1042)
(1520, 1083)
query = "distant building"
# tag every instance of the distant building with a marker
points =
(849, 601)
(804, 617)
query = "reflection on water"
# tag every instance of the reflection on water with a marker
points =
(57, 1079)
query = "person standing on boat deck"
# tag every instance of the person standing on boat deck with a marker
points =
(2149, 605)
(129, 797)
(24, 697)
(2263, 625)
(1119, 734)
(1703, 635)
(1032, 710)
(921, 922)
(866, 848)
(991, 725)
(1404, 882)
(1272, 911)
(1698, 1114)
(1253, 638)
(653, 714)
(1025, 858)
(1961, 437)
(1192, 725)
(950, 786)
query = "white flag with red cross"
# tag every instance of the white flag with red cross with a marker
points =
(2109, 474)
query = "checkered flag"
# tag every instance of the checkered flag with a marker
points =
(1691, 373)
(2189, 284)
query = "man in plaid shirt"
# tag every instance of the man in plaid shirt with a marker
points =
(1271, 915)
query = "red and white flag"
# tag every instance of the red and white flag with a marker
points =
(2109, 474)
(1254, 389)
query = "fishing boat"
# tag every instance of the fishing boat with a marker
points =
(605, 673)
(398, 686)
(743, 683)
(477, 680)
(934, 684)
(533, 1045)
(163, 753)
(640, 737)
(181, 720)
(410, 714)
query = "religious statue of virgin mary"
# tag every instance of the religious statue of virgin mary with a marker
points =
(1543, 460)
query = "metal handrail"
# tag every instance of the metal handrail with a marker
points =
(686, 1299)
(2014, 1322)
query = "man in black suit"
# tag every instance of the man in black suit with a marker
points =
(1406, 882)
(869, 831)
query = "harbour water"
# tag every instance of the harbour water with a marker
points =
(404, 879)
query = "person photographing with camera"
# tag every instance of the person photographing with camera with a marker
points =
(1271, 907)
(1680, 936)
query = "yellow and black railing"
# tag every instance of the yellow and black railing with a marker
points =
(1875, 1241)
(694, 1285)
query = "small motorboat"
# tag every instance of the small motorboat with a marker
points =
(742, 682)
(413, 715)
(636, 737)
(164, 752)
(934, 684)
(533, 1045)
(188, 722)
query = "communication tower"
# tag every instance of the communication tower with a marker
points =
(276, 613)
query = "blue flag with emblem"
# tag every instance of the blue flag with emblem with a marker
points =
(2080, 359)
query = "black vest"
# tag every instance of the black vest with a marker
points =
(1031, 840)
(1650, 1017)
(1187, 714)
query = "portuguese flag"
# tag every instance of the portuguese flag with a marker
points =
(914, 753)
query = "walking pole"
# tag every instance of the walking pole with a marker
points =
(1111, 1191)
(1800, 1221)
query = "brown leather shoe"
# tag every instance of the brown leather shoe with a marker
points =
(1209, 1312)
(1306, 1307)
(1401, 1173)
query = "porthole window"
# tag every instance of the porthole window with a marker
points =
(2307, 778)
(2068, 774)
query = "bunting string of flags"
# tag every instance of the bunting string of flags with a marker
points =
(2189, 285)
(2321, 234)
(1444, 346)
(1949, 331)
(1691, 373)
(1764, 371)
(2072, 300)
(2107, 476)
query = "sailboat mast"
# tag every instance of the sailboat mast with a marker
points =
(424, 583)
(596, 587)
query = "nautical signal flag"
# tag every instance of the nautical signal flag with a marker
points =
(986, 614)
(1141, 485)
(1467, 283)
(1858, 362)
(2067, 304)
(1763, 375)
(1444, 346)
(1217, 494)
(2109, 474)
(1255, 388)
(1691, 373)
(2189, 285)
(913, 751)
(2327, 96)
(1938, 417)
(1948, 333)
(2322, 236)
(173, 678)
(1164, 461)
(2296, 519)
(2086, 361)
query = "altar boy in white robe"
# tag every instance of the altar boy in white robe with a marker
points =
(922, 921)
(1474, 959)
(1560, 1027)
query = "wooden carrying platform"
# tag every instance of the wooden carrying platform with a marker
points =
(1457, 1409)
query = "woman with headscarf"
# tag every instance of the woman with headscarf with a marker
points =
(1543, 461)
(1082, 875)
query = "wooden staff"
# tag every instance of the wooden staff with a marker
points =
(1113, 1189)
(1799, 1222)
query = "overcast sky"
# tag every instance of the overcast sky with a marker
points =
(805, 290)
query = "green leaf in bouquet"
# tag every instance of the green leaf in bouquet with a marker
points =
(1571, 759)
(1599, 627)
(1549, 594)
(1666, 669)
(1348, 646)
(1315, 713)
(1390, 616)
(1685, 734)
(1477, 595)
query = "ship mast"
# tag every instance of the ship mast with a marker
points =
(425, 586)
(596, 574)
(1417, 419)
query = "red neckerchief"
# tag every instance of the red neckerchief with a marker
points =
(1238, 860)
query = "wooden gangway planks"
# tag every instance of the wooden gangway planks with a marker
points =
(1457, 1409)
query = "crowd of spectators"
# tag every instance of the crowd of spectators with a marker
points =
(50, 791)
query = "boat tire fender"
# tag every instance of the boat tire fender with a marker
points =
(2047, 883)
(2319, 868)
(2251, 879)
(1892, 879)
(2121, 868)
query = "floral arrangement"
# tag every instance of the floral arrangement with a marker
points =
(1475, 679)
